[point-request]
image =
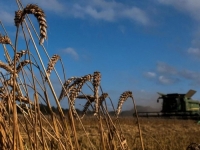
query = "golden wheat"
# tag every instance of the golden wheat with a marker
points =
(18, 56)
(39, 131)
(4, 39)
(96, 83)
(64, 90)
(38, 13)
(90, 99)
(52, 63)
(21, 65)
(75, 91)
(122, 99)
(6, 67)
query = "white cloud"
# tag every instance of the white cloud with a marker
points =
(191, 7)
(166, 74)
(71, 52)
(109, 11)
(7, 10)
(97, 9)
(165, 68)
(6, 17)
(104, 14)
(150, 74)
(194, 51)
(52, 5)
(137, 15)
(192, 75)
(164, 80)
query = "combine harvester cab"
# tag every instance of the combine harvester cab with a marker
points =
(179, 104)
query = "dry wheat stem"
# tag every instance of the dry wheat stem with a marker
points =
(124, 142)
(75, 91)
(36, 102)
(19, 98)
(96, 84)
(49, 82)
(90, 99)
(10, 83)
(113, 127)
(6, 54)
(43, 65)
(21, 6)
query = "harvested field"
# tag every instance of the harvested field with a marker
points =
(158, 133)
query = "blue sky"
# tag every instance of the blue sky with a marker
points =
(144, 46)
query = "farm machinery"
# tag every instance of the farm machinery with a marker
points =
(176, 104)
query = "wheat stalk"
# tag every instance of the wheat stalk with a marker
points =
(124, 142)
(10, 83)
(5, 136)
(90, 99)
(75, 91)
(19, 98)
(38, 13)
(67, 87)
(96, 83)
(52, 63)
(124, 96)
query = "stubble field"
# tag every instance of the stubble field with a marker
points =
(157, 133)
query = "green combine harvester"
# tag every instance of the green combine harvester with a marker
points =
(176, 105)
(179, 104)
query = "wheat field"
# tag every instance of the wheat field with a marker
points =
(26, 85)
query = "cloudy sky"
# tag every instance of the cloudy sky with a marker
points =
(144, 46)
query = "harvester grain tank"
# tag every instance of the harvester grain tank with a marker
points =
(179, 104)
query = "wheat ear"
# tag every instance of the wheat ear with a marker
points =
(193, 146)
(102, 97)
(4, 39)
(19, 98)
(6, 67)
(22, 64)
(75, 91)
(38, 13)
(122, 99)
(64, 90)
(19, 55)
(52, 63)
